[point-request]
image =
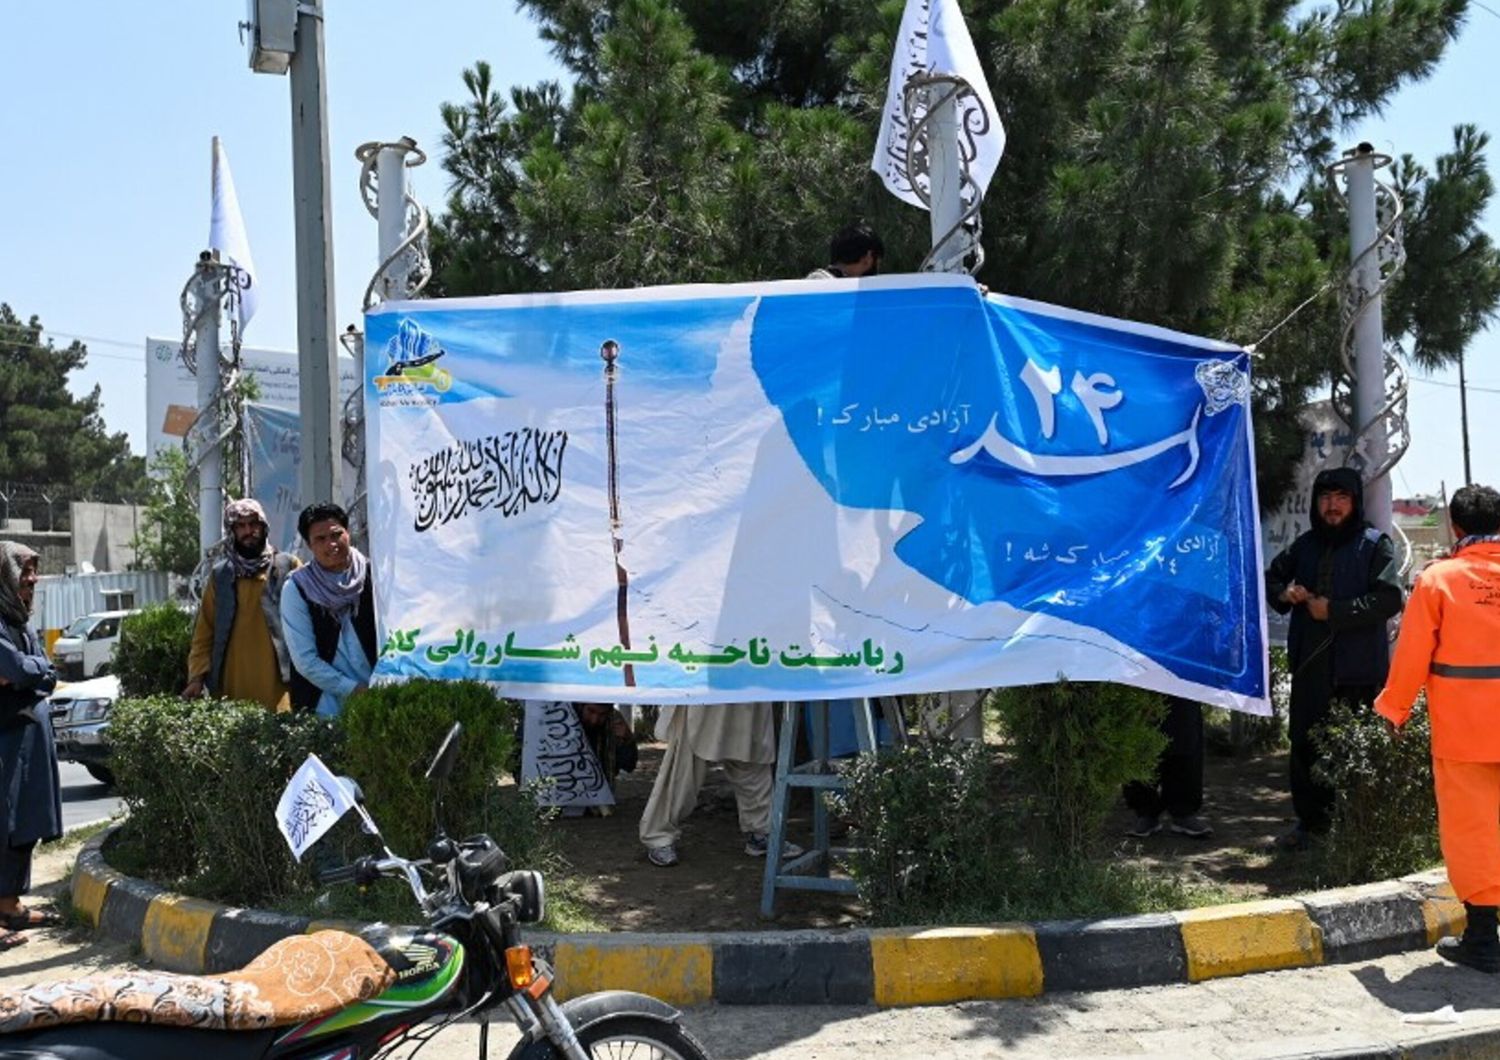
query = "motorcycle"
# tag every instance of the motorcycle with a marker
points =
(470, 962)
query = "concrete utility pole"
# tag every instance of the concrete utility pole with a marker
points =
(209, 455)
(317, 358)
(1369, 333)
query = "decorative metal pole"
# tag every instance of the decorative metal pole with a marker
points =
(206, 290)
(402, 273)
(610, 352)
(1369, 395)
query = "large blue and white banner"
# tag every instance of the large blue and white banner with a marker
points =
(809, 490)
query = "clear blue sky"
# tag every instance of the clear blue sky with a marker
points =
(107, 111)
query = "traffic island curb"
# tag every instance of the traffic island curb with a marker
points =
(887, 967)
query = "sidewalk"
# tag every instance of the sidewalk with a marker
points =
(1347, 1010)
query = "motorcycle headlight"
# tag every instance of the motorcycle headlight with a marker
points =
(530, 895)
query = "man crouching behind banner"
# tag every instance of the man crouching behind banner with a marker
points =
(741, 738)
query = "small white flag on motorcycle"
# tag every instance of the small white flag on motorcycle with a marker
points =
(310, 805)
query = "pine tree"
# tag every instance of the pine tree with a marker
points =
(1165, 162)
(49, 438)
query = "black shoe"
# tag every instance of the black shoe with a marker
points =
(1479, 948)
(1191, 825)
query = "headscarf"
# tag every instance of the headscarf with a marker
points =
(253, 566)
(336, 590)
(14, 557)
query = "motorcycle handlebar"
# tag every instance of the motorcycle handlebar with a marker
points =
(342, 874)
(363, 872)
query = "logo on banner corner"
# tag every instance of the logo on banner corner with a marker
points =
(411, 366)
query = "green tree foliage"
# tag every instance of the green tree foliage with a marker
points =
(168, 540)
(49, 437)
(1165, 162)
(1075, 745)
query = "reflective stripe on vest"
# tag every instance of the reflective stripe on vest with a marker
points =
(1473, 673)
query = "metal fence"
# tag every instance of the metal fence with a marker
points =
(47, 505)
(62, 598)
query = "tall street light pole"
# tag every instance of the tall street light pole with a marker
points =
(287, 36)
(1463, 416)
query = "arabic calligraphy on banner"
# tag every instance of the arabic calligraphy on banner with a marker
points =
(554, 751)
(477, 651)
(810, 490)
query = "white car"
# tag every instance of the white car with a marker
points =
(80, 716)
(87, 647)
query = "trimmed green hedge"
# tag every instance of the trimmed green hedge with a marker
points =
(1385, 810)
(393, 732)
(202, 778)
(151, 658)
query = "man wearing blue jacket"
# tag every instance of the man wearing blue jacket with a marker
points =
(328, 615)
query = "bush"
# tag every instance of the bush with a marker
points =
(201, 779)
(151, 658)
(921, 818)
(1075, 745)
(392, 733)
(938, 842)
(1385, 810)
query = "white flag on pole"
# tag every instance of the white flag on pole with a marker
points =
(310, 805)
(935, 40)
(226, 233)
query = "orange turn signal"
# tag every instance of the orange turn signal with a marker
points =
(518, 966)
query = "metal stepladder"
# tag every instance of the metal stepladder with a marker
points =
(812, 870)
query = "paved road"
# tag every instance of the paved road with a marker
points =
(84, 799)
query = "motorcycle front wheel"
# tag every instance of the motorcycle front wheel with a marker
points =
(622, 1037)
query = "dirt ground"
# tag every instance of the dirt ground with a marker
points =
(716, 887)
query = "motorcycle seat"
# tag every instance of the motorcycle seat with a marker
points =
(300, 978)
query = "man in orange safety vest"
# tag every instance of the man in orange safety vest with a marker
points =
(1450, 642)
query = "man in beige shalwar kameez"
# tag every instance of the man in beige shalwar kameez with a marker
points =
(741, 738)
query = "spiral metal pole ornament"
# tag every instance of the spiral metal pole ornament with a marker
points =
(353, 340)
(403, 273)
(1388, 253)
(408, 268)
(922, 97)
(223, 421)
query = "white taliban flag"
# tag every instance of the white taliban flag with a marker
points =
(226, 234)
(310, 805)
(935, 40)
